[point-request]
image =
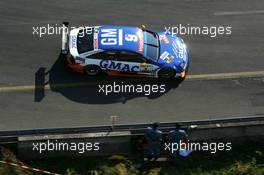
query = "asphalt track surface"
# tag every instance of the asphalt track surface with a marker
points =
(72, 100)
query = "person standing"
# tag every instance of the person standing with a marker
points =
(152, 139)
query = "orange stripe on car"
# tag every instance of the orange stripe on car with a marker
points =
(122, 74)
(74, 66)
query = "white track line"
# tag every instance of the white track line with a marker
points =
(248, 12)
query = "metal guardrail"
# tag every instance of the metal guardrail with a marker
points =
(12, 136)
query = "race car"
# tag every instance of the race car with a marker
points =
(123, 50)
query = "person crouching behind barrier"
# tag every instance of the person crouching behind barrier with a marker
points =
(152, 139)
(179, 136)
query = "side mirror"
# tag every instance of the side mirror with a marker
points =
(142, 26)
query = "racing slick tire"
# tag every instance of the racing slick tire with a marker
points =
(92, 70)
(166, 73)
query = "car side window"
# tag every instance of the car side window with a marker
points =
(130, 57)
(108, 55)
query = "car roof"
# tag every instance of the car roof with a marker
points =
(120, 38)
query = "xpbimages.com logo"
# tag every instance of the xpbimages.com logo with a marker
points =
(212, 147)
(56, 29)
(146, 89)
(211, 31)
(55, 145)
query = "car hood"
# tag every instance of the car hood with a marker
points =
(173, 52)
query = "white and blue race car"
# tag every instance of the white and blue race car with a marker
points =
(128, 51)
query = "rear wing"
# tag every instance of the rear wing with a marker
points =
(64, 39)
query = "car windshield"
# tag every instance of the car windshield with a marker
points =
(151, 43)
(85, 41)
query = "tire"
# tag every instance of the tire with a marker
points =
(93, 70)
(166, 73)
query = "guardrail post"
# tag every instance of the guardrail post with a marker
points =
(113, 119)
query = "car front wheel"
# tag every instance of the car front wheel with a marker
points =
(166, 73)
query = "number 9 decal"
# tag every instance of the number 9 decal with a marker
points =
(130, 37)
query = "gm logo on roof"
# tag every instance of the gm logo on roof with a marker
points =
(111, 37)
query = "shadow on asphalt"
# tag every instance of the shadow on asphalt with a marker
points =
(84, 89)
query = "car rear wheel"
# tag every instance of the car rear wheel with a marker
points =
(92, 70)
(166, 73)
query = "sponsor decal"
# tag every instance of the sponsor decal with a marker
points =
(166, 57)
(111, 37)
(144, 67)
(140, 41)
(164, 39)
(131, 37)
(113, 65)
(73, 42)
(178, 49)
(95, 42)
(80, 60)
